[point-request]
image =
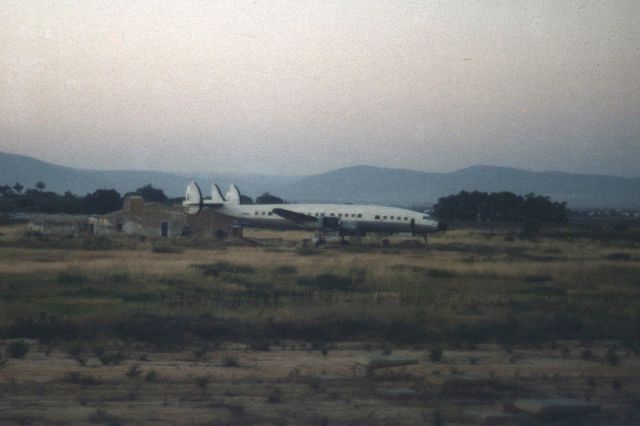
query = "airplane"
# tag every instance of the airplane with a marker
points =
(345, 219)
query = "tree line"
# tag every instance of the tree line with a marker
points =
(38, 200)
(465, 206)
(499, 207)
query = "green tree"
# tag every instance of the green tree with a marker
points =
(18, 188)
(40, 186)
(151, 194)
(500, 207)
(267, 198)
(102, 201)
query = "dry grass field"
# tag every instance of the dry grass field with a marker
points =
(131, 331)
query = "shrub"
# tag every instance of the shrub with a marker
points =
(286, 269)
(440, 273)
(17, 349)
(537, 278)
(108, 358)
(612, 357)
(275, 396)
(586, 354)
(327, 282)
(202, 382)
(101, 416)
(616, 385)
(200, 352)
(435, 354)
(230, 361)
(619, 256)
(76, 349)
(71, 278)
(151, 376)
(166, 250)
(78, 378)
(133, 372)
(217, 268)
(259, 345)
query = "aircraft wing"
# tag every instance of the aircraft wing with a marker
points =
(299, 218)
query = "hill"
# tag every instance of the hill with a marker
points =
(28, 171)
(357, 184)
(366, 184)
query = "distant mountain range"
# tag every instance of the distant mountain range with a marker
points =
(358, 184)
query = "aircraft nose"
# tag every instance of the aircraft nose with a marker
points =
(442, 226)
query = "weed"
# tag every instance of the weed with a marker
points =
(202, 382)
(307, 251)
(200, 353)
(616, 384)
(435, 354)
(215, 269)
(586, 354)
(166, 250)
(102, 416)
(326, 281)
(437, 418)
(17, 349)
(133, 372)
(612, 357)
(108, 358)
(72, 278)
(275, 396)
(259, 345)
(151, 376)
(286, 270)
(440, 273)
(76, 349)
(230, 361)
(387, 350)
(537, 278)
(78, 378)
(619, 256)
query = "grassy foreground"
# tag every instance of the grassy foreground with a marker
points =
(126, 320)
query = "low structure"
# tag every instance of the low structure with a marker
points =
(160, 220)
(59, 224)
(138, 218)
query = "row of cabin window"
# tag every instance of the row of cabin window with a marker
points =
(340, 215)
(392, 217)
(315, 214)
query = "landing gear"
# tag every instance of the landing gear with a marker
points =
(319, 238)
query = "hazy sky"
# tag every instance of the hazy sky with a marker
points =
(303, 87)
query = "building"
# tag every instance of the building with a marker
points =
(151, 219)
(59, 224)
(138, 218)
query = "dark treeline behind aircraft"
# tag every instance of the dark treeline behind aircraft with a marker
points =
(37, 200)
(499, 207)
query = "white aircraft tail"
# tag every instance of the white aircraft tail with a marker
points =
(216, 195)
(233, 195)
(193, 198)
(194, 202)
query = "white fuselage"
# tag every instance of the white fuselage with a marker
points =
(354, 218)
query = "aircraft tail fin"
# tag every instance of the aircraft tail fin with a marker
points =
(216, 195)
(193, 198)
(232, 196)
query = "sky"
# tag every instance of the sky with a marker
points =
(304, 87)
